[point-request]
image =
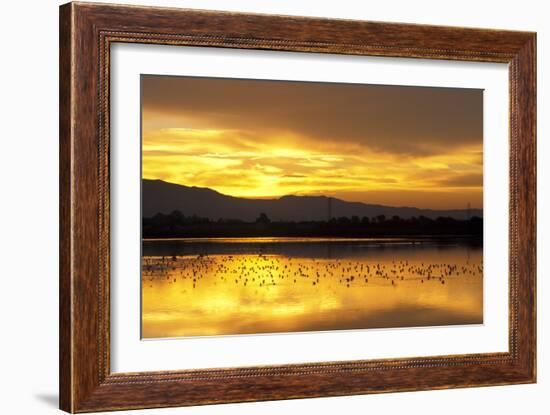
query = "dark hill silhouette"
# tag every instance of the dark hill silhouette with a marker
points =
(162, 197)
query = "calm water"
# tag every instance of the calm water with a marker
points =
(222, 286)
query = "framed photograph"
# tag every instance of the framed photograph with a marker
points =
(260, 207)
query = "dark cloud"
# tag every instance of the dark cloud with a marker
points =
(464, 180)
(294, 176)
(395, 119)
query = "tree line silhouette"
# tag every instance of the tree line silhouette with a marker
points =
(177, 225)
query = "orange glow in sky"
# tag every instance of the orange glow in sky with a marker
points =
(265, 139)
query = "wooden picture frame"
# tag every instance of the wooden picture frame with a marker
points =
(86, 33)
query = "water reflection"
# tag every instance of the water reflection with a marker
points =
(265, 285)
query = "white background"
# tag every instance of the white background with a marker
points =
(129, 354)
(29, 171)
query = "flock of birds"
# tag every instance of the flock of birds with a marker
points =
(263, 270)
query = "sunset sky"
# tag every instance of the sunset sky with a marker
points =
(392, 145)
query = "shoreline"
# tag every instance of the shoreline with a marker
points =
(313, 239)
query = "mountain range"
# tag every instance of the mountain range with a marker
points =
(163, 197)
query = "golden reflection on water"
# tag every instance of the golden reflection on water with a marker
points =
(222, 294)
